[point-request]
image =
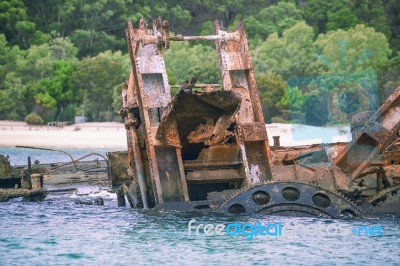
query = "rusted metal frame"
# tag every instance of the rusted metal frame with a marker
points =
(159, 37)
(382, 193)
(46, 149)
(183, 183)
(333, 177)
(255, 101)
(138, 164)
(227, 85)
(133, 49)
(251, 81)
(220, 175)
(133, 158)
(149, 135)
(245, 164)
(226, 80)
(355, 174)
(383, 141)
(219, 36)
(295, 171)
(133, 140)
(253, 132)
(195, 38)
(258, 114)
(199, 86)
(126, 91)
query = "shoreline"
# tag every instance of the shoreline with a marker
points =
(80, 136)
(106, 135)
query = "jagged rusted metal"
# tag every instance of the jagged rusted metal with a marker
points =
(190, 151)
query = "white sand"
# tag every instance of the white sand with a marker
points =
(87, 135)
(113, 135)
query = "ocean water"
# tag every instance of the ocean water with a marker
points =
(59, 232)
(19, 156)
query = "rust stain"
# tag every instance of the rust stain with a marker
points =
(210, 138)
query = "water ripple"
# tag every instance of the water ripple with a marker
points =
(57, 231)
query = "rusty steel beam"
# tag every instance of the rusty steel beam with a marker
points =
(199, 86)
(379, 132)
(133, 47)
(195, 38)
(185, 148)
(152, 93)
(137, 159)
(221, 36)
(238, 75)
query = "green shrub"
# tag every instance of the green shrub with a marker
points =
(34, 119)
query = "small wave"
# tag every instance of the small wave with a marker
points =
(89, 192)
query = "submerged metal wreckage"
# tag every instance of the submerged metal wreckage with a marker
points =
(208, 149)
(19, 183)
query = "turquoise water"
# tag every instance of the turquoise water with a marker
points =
(59, 232)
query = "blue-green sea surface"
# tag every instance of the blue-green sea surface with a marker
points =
(19, 156)
(59, 232)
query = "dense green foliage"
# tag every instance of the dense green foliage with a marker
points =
(316, 62)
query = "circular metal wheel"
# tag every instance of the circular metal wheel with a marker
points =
(290, 198)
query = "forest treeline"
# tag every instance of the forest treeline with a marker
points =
(316, 62)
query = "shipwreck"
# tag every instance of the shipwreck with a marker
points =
(207, 148)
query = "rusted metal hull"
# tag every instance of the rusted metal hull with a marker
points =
(199, 118)
(190, 151)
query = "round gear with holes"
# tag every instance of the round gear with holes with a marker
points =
(290, 198)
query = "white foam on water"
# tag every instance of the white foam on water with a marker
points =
(104, 194)
(93, 192)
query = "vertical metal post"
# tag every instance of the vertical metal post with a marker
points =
(120, 197)
(276, 141)
(37, 181)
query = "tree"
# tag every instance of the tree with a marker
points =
(96, 78)
(372, 14)
(271, 88)
(13, 98)
(358, 48)
(275, 18)
(8, 58)
(292, 55)
(352, 59)
(389, 77)
(317, 12)
(41, 41)
(46, 71)
(291, 105)
(17, 25)
(58, 90)
(344, 18)
(392, 8)
(14, 101)
(198, 60)
(225, 10)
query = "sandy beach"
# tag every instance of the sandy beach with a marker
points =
(85, 135)
(112, 135)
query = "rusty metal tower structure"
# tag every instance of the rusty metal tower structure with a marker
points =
(208, 149)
